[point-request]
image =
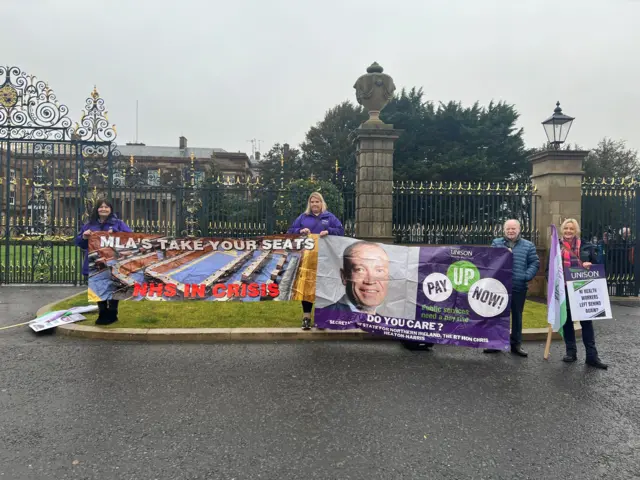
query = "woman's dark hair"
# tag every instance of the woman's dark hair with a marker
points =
(94, 215)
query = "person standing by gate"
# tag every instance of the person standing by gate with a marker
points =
(319, 220)
(525, 266)
(102, 220)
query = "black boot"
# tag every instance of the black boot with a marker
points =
(517, 350)
(113, 309)
(415, 346)
(306, 323)
(596, 363)
(103, 314)
(111, 314)
(570, 357)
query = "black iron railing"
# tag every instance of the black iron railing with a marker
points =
(610, 212)
(461, 212)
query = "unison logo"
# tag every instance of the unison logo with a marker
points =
(584, 274)
(461, 253)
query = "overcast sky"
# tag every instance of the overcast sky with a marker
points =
(222, 73)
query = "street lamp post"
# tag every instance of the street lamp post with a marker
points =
(557, 127)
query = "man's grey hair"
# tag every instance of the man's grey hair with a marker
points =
(513, 220)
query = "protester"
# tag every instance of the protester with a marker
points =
(574, 256)
(601, 246)
(102, 220)
(316, 219)
(525, 266)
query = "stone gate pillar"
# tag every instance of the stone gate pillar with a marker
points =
(557, 174)
(374, 158)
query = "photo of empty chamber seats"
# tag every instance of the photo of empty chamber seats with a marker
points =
(137, 270)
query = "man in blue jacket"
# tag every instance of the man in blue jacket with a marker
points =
(525, 266)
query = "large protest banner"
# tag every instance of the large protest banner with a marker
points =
(132, 266)
(588, 293)
(450, 295)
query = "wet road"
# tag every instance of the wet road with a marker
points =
(19, 304)
(96, 410)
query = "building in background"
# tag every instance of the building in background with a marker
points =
(159, 160)
(42, 189)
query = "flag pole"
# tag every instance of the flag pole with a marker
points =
(547, 348)
(16, 325)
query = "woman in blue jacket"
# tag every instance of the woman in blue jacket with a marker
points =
(319, 220)
(102, 220)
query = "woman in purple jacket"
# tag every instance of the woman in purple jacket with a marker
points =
(102, 220)
(315, 219)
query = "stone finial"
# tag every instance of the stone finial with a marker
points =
(374, 90)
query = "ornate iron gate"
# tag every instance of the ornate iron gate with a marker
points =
(46, 166)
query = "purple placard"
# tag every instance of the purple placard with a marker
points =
(462, 298)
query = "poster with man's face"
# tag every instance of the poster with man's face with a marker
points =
(356, 276)
(365, 275)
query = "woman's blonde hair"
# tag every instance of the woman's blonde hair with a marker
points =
(319, 196)
(575, 223)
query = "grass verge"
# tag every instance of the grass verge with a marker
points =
(230, 315)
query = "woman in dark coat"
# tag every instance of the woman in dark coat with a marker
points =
(574, 256)
(319, 220)
(102, 220)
